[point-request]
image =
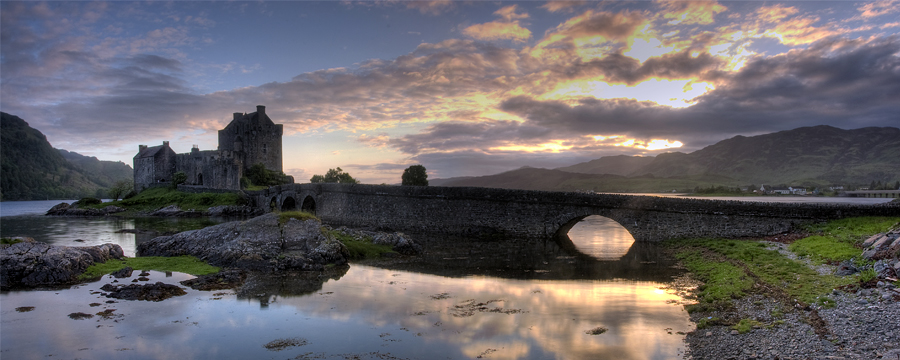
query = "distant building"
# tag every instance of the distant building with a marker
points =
(248, 140)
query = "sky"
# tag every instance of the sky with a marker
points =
(464, 88)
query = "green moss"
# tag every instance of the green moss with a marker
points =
(183, 264)
(283, 217)
(361, 248)
(825, 249)
(10, 241)
(707, 322)
(745, 325)
(854, 230)
(722, 280)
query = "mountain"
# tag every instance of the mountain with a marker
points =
(811, 155)
(808, 156)
(101, 172)
(32, 169)
(617, 165)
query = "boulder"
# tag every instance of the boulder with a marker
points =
(234, 210)
(64, 209)
(259, 244)
(34, 264)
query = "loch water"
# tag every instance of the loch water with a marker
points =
(465, 298)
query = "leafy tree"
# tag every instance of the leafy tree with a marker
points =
(334, 176)
(178, 179)
(897, 185)
(415, 176)
(122, 187)
(259, 175)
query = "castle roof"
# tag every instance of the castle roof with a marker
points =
(151, 151)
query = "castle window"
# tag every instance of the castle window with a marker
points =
(265, 148)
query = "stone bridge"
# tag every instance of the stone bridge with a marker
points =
(505, 213)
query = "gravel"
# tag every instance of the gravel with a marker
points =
(861, 325)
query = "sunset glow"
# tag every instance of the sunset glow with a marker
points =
(463, 88)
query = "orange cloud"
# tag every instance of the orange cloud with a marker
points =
(496, 30)
(775, 13)
(507, 28)
(556, 6)
(691, 12)
(878, 8)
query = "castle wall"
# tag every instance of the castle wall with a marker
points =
(156, 168)
(248, 140)
(211, 168)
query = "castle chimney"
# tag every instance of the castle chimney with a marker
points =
(165, 143)
(142, 148)
(237, 116)
(260, 110)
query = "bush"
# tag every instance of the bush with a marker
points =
(88, 201)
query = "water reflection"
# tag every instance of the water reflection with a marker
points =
(368, 312)
(90, 231)
(601, 238)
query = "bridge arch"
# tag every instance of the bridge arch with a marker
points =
(288, 204)
(309, 204)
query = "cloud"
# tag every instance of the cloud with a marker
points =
(562, 6)
(691, 12)
(879, 8)
(507, 28)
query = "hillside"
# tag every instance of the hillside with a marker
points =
(623, 165)
(820, 155)
(810, 156)
(33, 170)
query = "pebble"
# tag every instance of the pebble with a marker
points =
(856, 331)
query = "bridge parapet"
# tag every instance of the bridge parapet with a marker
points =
(487, 212)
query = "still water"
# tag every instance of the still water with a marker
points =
(473, 299)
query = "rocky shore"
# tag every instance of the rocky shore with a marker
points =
(29, 263)
(74, 209)
(861, 321)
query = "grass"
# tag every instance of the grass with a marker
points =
(361, 248)
(825, 249)
(745, 325)
(283, 217)
(9, 241)
(183, 264)
(854, 230)
(155, 198)
(731, 268)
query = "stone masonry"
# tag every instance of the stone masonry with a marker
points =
(248, 140)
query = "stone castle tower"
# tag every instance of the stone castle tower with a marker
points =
(248, 140)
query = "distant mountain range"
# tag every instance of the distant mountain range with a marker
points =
(808, 156)
(33, 170)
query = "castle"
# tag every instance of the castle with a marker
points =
(248, 140)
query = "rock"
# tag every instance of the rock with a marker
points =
(871, 240)
(171, 210)
(259, 244)
(148, 292)
(33, 264)
(398, 242)
(64, 209)
(846, 268)
(112, 209)
(233, 210)
(123, 273)
(58, 209)
(225, 279)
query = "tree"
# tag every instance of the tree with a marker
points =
(334, 176)
(260, 176)
(120, 188)
(178, 179)
(415, 176)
